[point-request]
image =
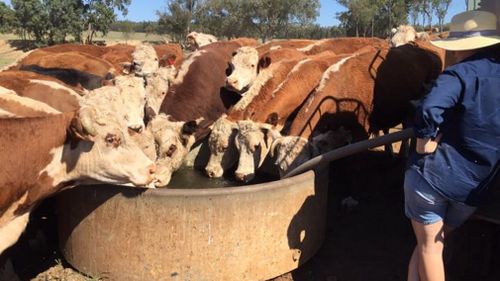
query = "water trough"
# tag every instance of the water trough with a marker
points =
(253, 232)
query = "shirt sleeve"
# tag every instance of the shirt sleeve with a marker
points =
(444, 94)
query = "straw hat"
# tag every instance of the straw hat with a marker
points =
(470, 30)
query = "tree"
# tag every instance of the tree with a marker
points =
(64, 17)
(440, 7)
(127, 30)
(31, 19)
(178, 17)
(7, 18)
(271, 16)
(98, 15)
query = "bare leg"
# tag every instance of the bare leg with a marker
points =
(413, 267)
(430, 244)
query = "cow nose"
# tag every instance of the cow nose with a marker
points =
(210, 174)
(243, 177)
(152, 169)
(136, 127)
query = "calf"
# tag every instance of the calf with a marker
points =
(196, 40)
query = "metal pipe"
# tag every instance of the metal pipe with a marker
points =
(351, 149)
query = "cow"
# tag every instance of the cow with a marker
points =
(362, 95)
(343, 45)
(290, 94)
(12, 105)
(221, 140)
(169, 54)
(197, 90)
(247, 62)
(73, 68)
(196, 40)
(42, 88)
(157, 85)
(42, 155)
(284, 44)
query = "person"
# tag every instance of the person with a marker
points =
(457, 126)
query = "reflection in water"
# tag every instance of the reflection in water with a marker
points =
(189, 178)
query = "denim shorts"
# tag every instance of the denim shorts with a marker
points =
(427, 206)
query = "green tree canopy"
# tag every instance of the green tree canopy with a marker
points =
(7, 18)
(99, 15)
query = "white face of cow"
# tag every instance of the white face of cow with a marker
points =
(253, 141)
(173, 142)
(291, 151)
(157, 87)
(242, 69)
(108, 156)
(223, 152)
(144, 60)
(133, 100)
(403, 35)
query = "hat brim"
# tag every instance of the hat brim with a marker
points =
(470, 43)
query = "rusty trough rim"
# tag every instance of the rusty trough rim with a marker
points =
(229, 190)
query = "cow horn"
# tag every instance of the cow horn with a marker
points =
(275, 143)
(87, 116)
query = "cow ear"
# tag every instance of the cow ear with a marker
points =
(167, 60)
(189, 127)
(275, 145)
(127, 67)
(264, 62)
(149, 114)
(77, 132)
(272, 119)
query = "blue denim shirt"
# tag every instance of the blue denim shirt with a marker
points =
(463, 106)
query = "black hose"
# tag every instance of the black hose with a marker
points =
(351, 149)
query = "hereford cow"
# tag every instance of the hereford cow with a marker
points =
(300, 82)
(12, 105)
(41, 88)
(73, 68)
(169, 54)
(198, 87)
(196, 40)
(44, 154)
(284, 44)
(343, 45)
(247, 62)
(223, 153)
(362, 95)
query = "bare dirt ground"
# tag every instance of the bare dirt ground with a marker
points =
(371, 241)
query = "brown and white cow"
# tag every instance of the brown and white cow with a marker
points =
(198, 88)
(196, 40)
(362, 95)
(221, 140)
(289, 95)
(247, 62)
(42, 155)
(343, 45)
(14, 106)
(42, 88)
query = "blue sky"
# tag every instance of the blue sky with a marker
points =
(141, 10)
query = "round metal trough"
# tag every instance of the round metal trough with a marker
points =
(253, 232)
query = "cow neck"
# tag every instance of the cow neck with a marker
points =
(28, 146)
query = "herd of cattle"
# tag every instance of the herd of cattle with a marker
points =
(80, 114)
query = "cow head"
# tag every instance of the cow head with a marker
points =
(196, 40)
(403, 35)
(290, 152)
(242, 70)
(223, 153)
(144, 61)
(100, 150)
(133, 100)
(173, 141)
(253, 142)
(157, 87)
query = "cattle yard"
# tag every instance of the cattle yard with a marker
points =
(237, 113)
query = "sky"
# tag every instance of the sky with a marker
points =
(141, 10)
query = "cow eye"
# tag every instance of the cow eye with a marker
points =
(171, 150)
(254, 148)
(253, 65)
(113, 140)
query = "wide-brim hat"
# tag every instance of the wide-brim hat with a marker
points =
(470, 30)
